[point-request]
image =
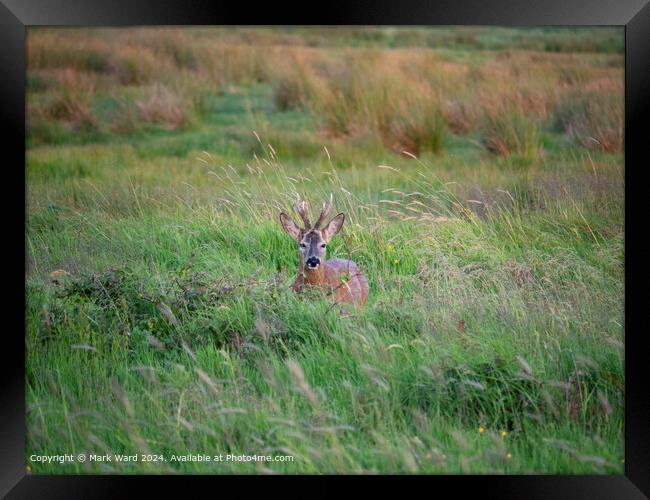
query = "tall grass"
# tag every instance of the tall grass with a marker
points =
(162, 105)
(159, 314)
(459, 335)
(593, 115)
(407, 99)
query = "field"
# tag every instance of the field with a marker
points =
(481, 174)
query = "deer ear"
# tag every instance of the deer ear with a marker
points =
(290, 226)
(334, 226)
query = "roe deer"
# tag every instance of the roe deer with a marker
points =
(339, 278)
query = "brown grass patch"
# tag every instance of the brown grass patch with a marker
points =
(163, 106)
(593, 114)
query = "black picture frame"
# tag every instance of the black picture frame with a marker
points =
(634, 15)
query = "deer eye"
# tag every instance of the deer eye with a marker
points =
(323, 245)
(302, 245)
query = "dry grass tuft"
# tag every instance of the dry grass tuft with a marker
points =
(593, 114)
(510, 132)
(53, 50)
(138, 65)
(458, 116)
(71, 102)
(163, 106)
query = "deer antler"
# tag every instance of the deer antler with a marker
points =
(324, 212)
(301, 209)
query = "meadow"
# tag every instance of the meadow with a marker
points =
(482, 177)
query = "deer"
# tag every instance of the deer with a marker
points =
(340, 279)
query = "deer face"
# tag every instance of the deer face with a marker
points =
(312, 241)
(312, 249)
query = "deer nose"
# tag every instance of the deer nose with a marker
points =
(313, 262)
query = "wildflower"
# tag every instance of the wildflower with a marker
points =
(509, 455)
(481, 429)
(504, 433)
(395, 261)
(389, 247)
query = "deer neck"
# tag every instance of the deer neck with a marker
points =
(316, 276)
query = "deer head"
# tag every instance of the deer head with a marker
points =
(312, 239)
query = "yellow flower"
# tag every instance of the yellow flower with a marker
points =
(481, 429)
(396, 261)
(389, 247)
(509, 455)
(504, 433)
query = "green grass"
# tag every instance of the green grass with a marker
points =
(160, 319)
